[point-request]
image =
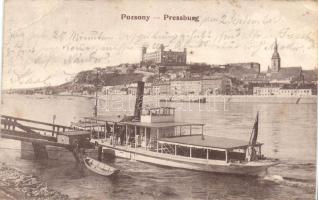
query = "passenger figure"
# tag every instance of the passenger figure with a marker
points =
(108, 129)
(122, 135)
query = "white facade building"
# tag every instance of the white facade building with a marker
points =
(185, 87)
(268, 91)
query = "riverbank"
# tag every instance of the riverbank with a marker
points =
(238, 99)
(17, 185)
(209, 98)
(219, 98)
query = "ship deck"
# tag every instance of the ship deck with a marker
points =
(207, 142)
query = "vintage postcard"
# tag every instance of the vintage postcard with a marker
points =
(181, 99)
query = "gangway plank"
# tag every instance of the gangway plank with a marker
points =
(34, 140)
(40, 134)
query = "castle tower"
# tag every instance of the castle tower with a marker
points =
(275, 67)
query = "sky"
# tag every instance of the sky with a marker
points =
(48, 42)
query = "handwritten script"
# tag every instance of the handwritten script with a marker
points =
(28, 53)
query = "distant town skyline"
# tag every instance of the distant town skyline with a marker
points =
(47, 43)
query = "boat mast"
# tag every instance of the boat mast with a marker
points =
(96, 93)
(253, 139)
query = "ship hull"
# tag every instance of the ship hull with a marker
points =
(255, 169)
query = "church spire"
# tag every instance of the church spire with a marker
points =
(275, 47)
(275, 59)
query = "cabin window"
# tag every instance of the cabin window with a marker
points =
(237, 154)
(167, 148)
(183, 151)
(216, 155)
(199, 153)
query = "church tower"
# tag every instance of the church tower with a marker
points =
(275, 67)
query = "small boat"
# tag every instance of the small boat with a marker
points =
(99, 167)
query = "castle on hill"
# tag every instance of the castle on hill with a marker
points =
(164, 58)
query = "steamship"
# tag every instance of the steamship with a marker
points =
(153, 136)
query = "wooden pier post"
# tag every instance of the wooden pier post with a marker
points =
(207, 154)
(100, 153)
(190, 152)
(157, 139)
(135, 136)
(146, 137)
(40, 152)
(202, 136)
(126, 135)
(14, 123)
(113, 135)
(105, 129)
(53, 131)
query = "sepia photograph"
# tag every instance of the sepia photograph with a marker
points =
(151, 100)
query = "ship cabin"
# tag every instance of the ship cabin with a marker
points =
(209, 148)
(158, 114)
(101, 127)
(179, 139)
(74, 137)
(158, 132)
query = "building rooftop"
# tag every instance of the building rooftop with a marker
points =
(275, 55)
(162, 124)
(158, 108)
(262, 79)
(111, 118)
(208, 141)
(86, 124)
(188, 79)
(75, 133)
(290, 73)
(310, 75)
(161, 83)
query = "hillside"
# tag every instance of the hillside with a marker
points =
(107, 79)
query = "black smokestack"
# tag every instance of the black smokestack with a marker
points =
(139, 99)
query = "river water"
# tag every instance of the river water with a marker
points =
(288, 132)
